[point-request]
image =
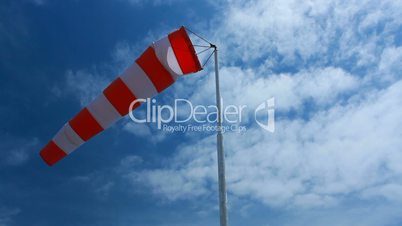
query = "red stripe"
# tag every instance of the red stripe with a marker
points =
(184, 51)
(85, 125)
(158, 75)
(51, 153)
(120, 96)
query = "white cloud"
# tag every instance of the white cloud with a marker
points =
(390, 65)
(138, 129)
(171, 184)
(6, 215)
(104, 189)
(97, 182)
(322, 85)
(85, 86)
(131, 161)
(16, 151)
(292, 32)
(145, 131)
(13, 28)
(364, 215)
(338, 152)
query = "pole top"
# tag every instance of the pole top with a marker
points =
(213, 46)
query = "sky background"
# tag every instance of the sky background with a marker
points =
(334, 68)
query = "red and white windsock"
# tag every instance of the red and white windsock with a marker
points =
(156, 69)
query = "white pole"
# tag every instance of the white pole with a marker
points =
(220, 152)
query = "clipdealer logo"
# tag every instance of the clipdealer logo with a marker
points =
(184, 116)
(267, 107)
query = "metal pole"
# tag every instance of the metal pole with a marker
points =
(220, 152)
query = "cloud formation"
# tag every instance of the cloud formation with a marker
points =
(6, 215)
(16, 151)
(335, 66)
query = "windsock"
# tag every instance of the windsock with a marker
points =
(157, 68)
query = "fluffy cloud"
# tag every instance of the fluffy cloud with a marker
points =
(6, 215)
(87, 84)
(390, 65)
(322, 85)
(144, 131)
(17, 151)
(294, 32)
(351, 148)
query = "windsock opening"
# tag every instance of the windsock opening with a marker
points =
(184, 50)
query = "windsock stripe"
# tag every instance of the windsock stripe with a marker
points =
(166, 56)
(138, 82)
(52, 153)
(156, 72)
(103, 111)
(184, 51)
(120, 96)
(67, 139)
(85, 125)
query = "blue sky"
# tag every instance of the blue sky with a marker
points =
(334, 68)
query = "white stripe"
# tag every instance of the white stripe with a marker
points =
(138, 82)
(67, 139)
(166, 56)
(103, 111)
